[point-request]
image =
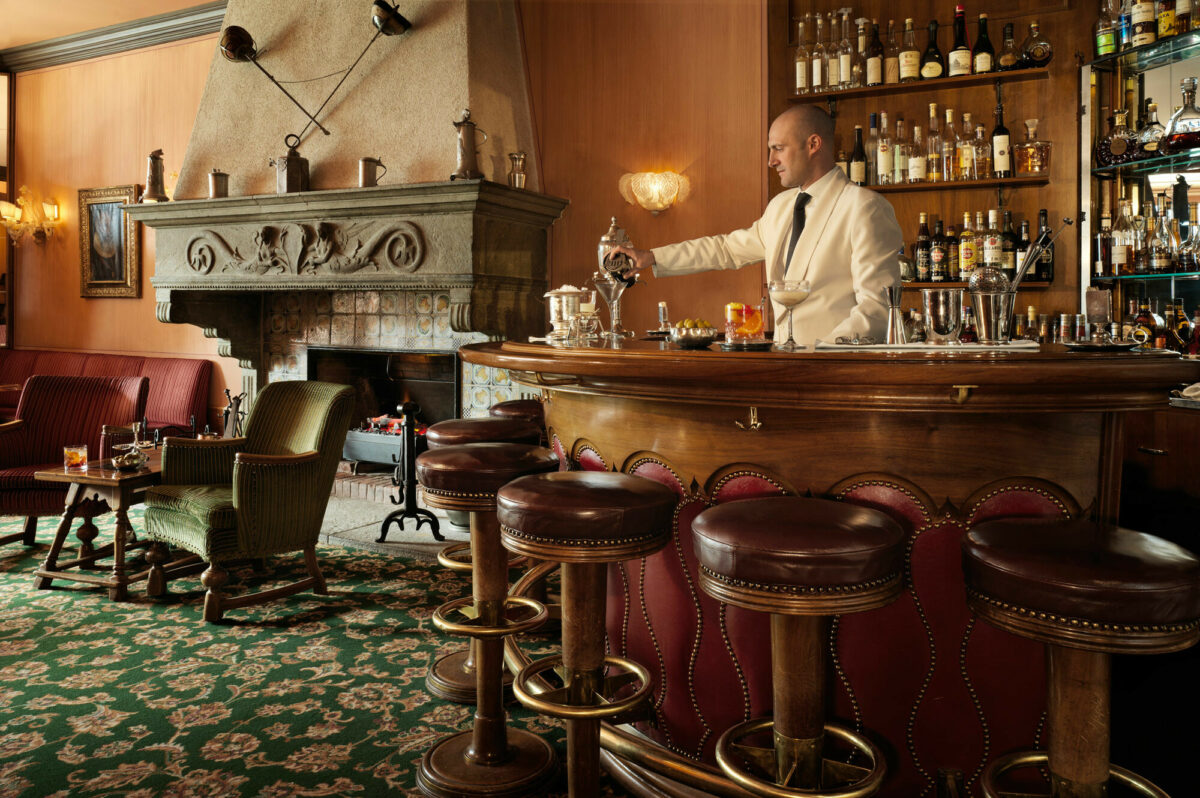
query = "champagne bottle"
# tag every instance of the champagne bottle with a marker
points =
(959, 57)
(858, 159)
(910, 56)
(1001, 152)
(932, 63)
(983, 55)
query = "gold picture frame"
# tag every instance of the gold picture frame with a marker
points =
(110, 254)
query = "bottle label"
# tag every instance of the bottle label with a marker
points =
(1009, 261)
(1001, 157)
(938, 266)
(966, 162)
(844, 66)
(932, 69)
(910, 64)
(831, 66)
(874, 70)
(885, 158)
(1143, 12)
(1166, 23)
(1181, 7)
(801, 76)
(1120, 255)
(858, 172)
(923, 264)
(1145, 26)
(1106, 41)
(983, 63)
(993, 251)
(960, 62)
(891, 70)
(916, 169)
(966, 255)
(818, 68)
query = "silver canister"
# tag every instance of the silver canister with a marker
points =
(943, 314)
(369, 172)
(1066, 327)
(218, 184)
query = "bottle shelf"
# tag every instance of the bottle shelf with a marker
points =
(957, 82)
(1149, 276)
(961, 284)
(1149, 56)
(955, 185)
(1175, 162)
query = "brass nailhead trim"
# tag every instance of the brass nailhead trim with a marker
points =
(1084, 623)
(842, 677)
(803, 590)
(1014, 488)
(454, 494)
(578, 543)
(979, 713)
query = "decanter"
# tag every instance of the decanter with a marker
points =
(1150, 136)
(1117, 145)
(1033, 155)
(1183, 131)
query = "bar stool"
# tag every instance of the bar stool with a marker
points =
(525, 409)
(452, 676)
(802, 560)
(490, 759)
(1087, 591)
(585, 520)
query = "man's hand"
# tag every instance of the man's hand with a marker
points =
(641, 258)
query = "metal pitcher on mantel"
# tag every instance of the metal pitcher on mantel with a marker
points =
(291, 171)
(468, 166)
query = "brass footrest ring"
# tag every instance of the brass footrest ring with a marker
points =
(548, 703)
(451, 557)
(732, 764)
(1025, 759)
(474, 628)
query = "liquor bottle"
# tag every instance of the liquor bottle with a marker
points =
(891, 56)
(949, 148)
(1144, 23)
(884, 154)
(1183, 327)
(1183, 16)
(983, 154)
(900, 152)
(965, 151)
(983, 54)
(939, 255)
(1001, 154)
(922, 249)
(801, 60)
(1194, 344)
(1045, 264)
(1166, 18)
(1183, 131)
(1144, 232)
(1036, 49)
(875, 59)
(933, 148)
(958, 59)
(952, 265)
(1118, 145)
(968, 334)
(843, 163)
(1129, 320)
(1189, 256)
(993, 243)
(873, 151)
(932, 63)
(1123, 240)
(858, 59)
(1023, 244)
(917, 159)
(1177, 335)
(858, 159)
(908, 272)
(1102, 265)
(1160, 244)
(817, 58)
(845, 53)
(1124, 25)
(910, 56)
(968, 248)
(1008, 248)
(1106, 30)
(1033, 154)
(1145, 320)
(1151, 133)
(1010, 56)
(833, 58)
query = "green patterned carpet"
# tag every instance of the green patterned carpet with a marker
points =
(305, 696)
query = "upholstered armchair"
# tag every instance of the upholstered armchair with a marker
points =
(54, 412)
(251, 497)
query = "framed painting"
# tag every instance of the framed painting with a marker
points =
(110, 258)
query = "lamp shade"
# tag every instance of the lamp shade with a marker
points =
(654, 191)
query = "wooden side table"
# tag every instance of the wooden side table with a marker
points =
(121, 490)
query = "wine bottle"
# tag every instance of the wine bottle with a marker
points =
(959, 57)
(922, 249)
(875, 59)
(1008, 248)
(910, 56)
(858, 159)
(983, 54)
(1001, 151)
(1045, 264)
(932, 63)
(891, 56)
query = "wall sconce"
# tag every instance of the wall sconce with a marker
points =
(24, 218)
(654, 191)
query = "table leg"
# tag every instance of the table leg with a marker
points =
(119, 591)
(75, 494)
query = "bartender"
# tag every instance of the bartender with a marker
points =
(842, 238)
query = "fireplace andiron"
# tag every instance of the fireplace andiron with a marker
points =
(406, 484)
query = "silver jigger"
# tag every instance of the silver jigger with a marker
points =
(993, 313)
(895, 319)
(943, 314)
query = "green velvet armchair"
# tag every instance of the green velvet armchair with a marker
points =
(251, 497)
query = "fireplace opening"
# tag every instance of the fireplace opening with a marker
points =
(384, 380)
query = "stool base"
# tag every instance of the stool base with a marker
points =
(1026, 759)
(446, 772)
(450, 679)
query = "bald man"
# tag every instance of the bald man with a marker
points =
(842, 238)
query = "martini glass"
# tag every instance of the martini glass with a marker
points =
(789, 293)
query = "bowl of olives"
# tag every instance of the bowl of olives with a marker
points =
(693, 334)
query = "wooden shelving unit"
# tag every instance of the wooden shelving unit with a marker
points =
(962, 284)
(958, 82)
(956, 185)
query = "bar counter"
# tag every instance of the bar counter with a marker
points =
(938, 440)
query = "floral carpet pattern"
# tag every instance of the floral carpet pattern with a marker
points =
(303, 696)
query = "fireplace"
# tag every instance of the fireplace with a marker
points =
(384, 380)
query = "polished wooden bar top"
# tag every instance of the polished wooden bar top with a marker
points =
(1051, 379)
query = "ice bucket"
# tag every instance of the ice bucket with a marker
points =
(993, 315)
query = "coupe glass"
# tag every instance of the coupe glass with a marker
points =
(789, 293)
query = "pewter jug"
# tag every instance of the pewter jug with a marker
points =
(368, 172)
(468, 166)
(291, 170)
(155, 189)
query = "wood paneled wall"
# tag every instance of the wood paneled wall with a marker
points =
(649, 85)
(88, 125)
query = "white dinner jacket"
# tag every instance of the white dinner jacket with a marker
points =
(847, 252)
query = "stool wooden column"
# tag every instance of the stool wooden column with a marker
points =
(452, 676)
(802, 560)
(585, 520)
(1087, 591)
(491, 759)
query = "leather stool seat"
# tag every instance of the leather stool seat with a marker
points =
(581, 516)
(457, 431)
(525, 409)
(468, 476)
(1084, 571)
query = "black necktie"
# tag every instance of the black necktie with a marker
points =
(797, 226)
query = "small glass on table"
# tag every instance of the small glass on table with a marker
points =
(75, 458)
(789, 293)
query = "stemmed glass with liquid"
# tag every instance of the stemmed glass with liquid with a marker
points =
(789, 293)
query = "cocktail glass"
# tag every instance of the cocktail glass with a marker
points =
(75, 458)
(610, 289)
(743, 322)
(789, 293)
